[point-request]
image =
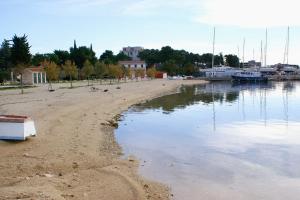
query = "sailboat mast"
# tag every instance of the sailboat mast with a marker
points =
(266, 47)
(287, 46)
(244, 52)
(238, 48)
(213, 53)
(261, 53)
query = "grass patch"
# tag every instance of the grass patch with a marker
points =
(16, 87)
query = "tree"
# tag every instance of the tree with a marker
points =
(4, 75)
(206, 60)
(189, 69)
(62, 56)
(170, 67)
(151, 72)
(20, 51)
(108, 57)
(115, 71)
(87, 70)
(139, 73)
(101, 70)
(70, 70)
(19, 71)
(121, 57)
(20, 56)
(232, 60)
(80, 54)
(219, 59)
(166, 53)
(5, 55)
(127, 72)
(38, 59)
(150, 56)
(52, 71)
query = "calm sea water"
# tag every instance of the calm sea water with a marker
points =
(219, 141)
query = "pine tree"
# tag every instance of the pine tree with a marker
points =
(5, 55)
(20, 51)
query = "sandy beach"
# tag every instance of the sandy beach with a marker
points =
(75, 155)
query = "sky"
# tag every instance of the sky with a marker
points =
(181, 24)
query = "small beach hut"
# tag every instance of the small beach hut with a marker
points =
(34, 76)
(14, 127)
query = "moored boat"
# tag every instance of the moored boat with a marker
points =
(220, 73)
(249, 76)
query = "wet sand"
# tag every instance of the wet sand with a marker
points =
(75, 154)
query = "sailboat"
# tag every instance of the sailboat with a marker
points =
(221, 72)
(251, 75)
(287, 71)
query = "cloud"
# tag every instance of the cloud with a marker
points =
(250, 13)
(241, 13)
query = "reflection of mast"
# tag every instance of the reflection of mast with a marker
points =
(265, 106)
(286, 107)
(260, 102)
(214, 110)
(243, 97)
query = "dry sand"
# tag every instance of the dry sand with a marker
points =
(75, 155)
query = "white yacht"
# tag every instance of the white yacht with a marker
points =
(220, 73)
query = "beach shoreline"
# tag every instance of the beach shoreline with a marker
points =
(75, 154)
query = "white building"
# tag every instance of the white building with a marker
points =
(132, 52)
(134, 64)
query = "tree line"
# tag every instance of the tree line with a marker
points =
(77, 63)
(15, 56)
(183, 62)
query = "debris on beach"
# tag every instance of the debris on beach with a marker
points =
(131, 159)
(48, 175)
(106, 90)
(94, 89)
(112, 123)
(118, 88)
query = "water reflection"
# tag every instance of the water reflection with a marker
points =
(220, 141)
(215, 92)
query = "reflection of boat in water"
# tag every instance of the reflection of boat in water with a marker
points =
(229, 87)
(253, 85)
(249, 76)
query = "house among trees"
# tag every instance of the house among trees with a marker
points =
(34, 75)
(133, 54)
(134, 64)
